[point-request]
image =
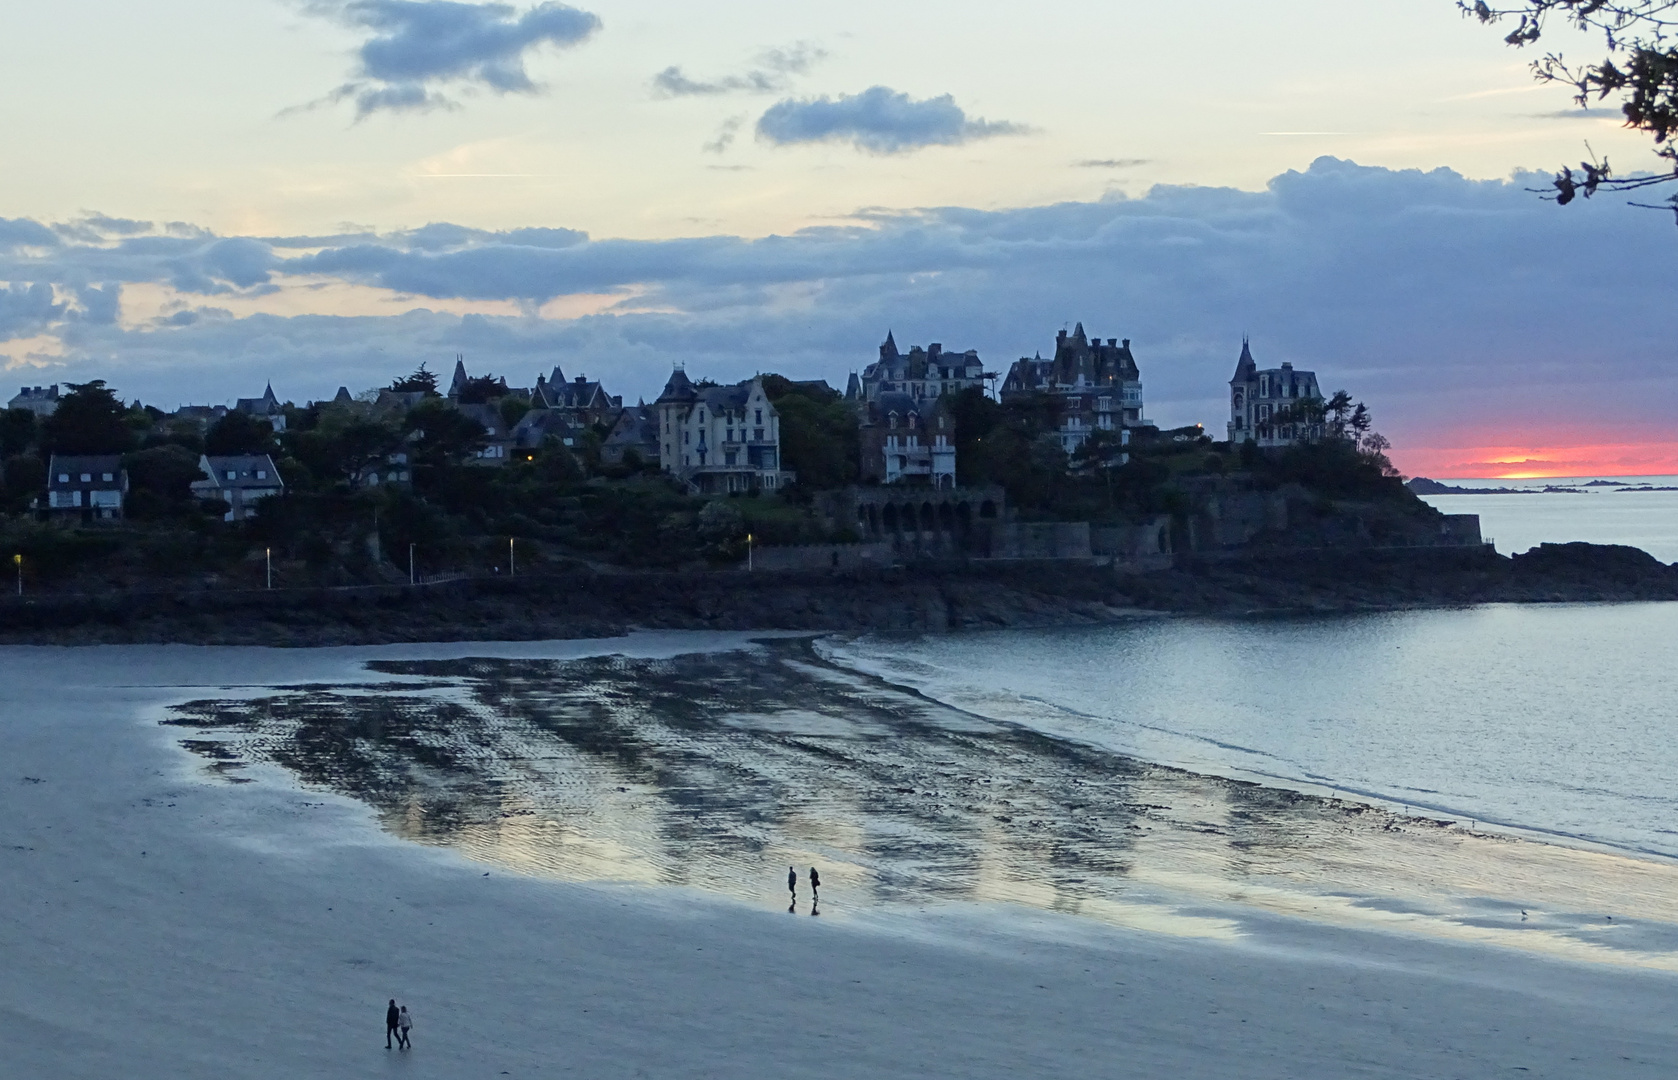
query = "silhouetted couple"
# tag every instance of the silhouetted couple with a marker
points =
(397, 1023)
(815, 887)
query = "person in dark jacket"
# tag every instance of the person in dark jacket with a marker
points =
(393, 1016)
(792, 883)
(815, 885)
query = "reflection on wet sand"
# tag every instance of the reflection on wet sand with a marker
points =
(718, 770)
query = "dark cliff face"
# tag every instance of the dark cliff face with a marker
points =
(926, 598)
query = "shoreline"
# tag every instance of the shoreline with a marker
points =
(582, 603)
(188, 900)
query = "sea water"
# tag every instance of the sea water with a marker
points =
(1602, 510)
(1557, 718)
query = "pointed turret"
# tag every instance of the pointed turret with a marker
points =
(268, 394)
(343, 396)
(1078, 334)
(888, 351)
(458, 383)
(679, 388)
(1244, 367)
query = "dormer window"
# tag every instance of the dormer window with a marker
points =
(232, 474)
(109, 477)
(87, 478)
(759, 416)
(63, 478)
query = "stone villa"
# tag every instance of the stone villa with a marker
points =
(720, 439)
(1098, 384)
(1263, 403)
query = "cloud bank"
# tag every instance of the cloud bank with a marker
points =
(878, 120)
(1469, 314)
(417, 46)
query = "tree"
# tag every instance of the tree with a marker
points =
(160, 480)
(26, 478)
(1639, 72)
(18, 431)
(90, 419)
(420, 382)
(819, 433)
(445, 434)
(483, 389)
(239, 433)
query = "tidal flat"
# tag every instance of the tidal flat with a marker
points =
(718, 770)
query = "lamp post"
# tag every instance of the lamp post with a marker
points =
(19, 560)
(411, 579)
(268, 557)
(512, 559)
(748, 553)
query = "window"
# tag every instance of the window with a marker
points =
(108, 477)
(759, 419)
(232, 474)
(63, 478)
(262, 474)
(87, 478)
(757, 433)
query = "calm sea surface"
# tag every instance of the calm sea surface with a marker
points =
(1558, 718)
(1600, 514)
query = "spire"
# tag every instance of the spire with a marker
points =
(268, 394)
(1244, 367)
(458, 383)
(1078, 332)
(888, 351)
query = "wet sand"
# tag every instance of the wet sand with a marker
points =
(717, 770)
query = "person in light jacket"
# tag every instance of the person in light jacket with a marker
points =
(403, 1024)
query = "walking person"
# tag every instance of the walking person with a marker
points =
(393, 1016)
(792, 883)
(402, 1027)
(815, 885)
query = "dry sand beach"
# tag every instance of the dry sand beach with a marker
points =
(211, 869)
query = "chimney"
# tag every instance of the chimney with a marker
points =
(1127, 343)
(1112, 341)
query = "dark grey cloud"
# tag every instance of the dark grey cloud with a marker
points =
(1438, 299)
(879, 120)
(772, 74)
(417, 47)
(27, 308)
(21, 232)
(99, 305)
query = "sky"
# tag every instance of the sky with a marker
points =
(197, 198)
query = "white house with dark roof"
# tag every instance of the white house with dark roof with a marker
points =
(241, 481)
(720, 438)
(1264, 403)
(89, 486)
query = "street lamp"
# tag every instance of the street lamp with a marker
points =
(411, 579)
(512, 560)
(268, 557)
(748, 553)
(19, 560)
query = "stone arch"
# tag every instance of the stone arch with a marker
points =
(946, 517)
(929, 520)
(964, 516)
(889, 518)
(987, 509)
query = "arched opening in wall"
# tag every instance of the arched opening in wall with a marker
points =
(1160, 541)
(873, 520)
(946, 518)
(987, 509)
(889, 518)
(964, 517)
(929, 520)
(862, 520)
